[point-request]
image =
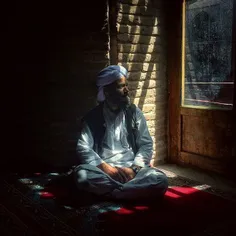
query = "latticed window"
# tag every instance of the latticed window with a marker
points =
(207, 73)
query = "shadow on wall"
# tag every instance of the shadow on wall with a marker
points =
(141, 49)
(59, 51)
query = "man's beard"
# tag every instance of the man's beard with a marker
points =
(124, 102)
(121, 102)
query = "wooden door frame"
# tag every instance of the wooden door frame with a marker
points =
(234, 76)
(174, 11)
(174, 63)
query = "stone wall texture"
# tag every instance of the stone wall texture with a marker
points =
(57, 51)
(142, 50)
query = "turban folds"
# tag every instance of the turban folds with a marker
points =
(107, 76)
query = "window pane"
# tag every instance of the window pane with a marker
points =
(207, 75)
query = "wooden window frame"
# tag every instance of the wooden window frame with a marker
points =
(174, 19)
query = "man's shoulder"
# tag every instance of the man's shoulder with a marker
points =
(132, 106)
(94, 113)
(94, 120)
(136, 112)
(135, 109)
(131, 112)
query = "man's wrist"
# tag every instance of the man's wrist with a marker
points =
(135, 168)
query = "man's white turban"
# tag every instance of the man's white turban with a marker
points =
(107, 76)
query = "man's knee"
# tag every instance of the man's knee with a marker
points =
(163, 180)
(81, 179)
(80, 175)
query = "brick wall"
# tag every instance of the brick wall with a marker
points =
(80, 53)
(58, 50)
(84, 55)
(142, 50)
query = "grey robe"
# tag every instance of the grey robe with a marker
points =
(117, 152)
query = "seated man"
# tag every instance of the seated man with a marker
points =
(115, 147)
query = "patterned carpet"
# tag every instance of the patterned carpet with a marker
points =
(30, 207)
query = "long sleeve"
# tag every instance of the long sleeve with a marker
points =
(144, 141)
(84, 148)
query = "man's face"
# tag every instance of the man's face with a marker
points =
(119, 92)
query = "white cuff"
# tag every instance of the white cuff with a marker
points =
(96, 162)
